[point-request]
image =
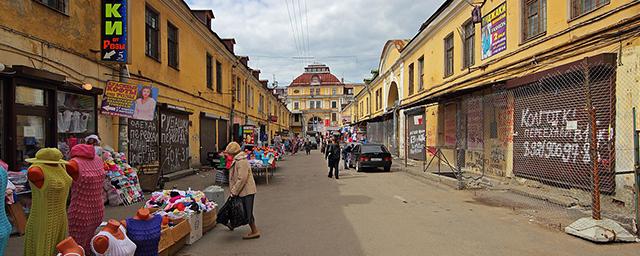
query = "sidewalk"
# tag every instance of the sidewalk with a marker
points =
(546, 205)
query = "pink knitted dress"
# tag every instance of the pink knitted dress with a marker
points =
(87, 207)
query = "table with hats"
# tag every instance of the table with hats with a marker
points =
(67, 203)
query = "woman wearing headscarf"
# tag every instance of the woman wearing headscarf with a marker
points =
(241, 184)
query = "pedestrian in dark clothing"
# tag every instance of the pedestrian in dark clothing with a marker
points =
(307, 147)
(346, 155)
(333, 155)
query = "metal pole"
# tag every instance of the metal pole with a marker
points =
(636, 157)
(123, 136)
(595, 210)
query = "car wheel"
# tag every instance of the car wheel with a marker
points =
(387, 168)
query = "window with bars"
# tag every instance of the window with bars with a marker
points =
(58, 5)
(172, 45)
(209, 65)
(152, 34)
(469, 43)
(421, 73)
(534, 20)
(411, 79)
(218, 77)
(582, 7)
(448, 55)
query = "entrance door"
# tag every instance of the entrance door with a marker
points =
(33, 122)
(207, 138)
(223, 134)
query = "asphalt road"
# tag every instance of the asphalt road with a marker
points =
(302, 212)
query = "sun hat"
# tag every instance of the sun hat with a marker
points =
(92, 136)
(233, 148)
(47, 156)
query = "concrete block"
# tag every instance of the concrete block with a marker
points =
(215, 194)
(600, 231)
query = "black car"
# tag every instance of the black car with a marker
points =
(371, 156)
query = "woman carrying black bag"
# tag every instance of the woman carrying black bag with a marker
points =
(242, 185)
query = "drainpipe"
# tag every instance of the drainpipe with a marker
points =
(636, 157)
(233, 105)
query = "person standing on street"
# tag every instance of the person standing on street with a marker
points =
(307, 146)
(346, 152)
(333, 155)
(241, 184)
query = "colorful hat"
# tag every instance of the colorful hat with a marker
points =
(47, 156)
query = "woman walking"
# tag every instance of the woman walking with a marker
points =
(241, 184)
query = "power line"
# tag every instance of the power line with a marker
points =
(293, 32)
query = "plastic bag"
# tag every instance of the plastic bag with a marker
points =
(232, 213)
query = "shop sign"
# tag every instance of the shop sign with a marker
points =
(494, 31)
(114, 31)
(273, 118)
(248, 133)
(128, 100)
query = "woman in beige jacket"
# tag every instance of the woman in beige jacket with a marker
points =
(241, 184)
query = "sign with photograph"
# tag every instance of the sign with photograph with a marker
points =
(494, 31)
(128, 100)
(114, 31)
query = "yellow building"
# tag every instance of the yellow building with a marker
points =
(316, 98)
(205, 92)
(483, 88)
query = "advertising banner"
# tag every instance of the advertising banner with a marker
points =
(114, 31)
(128, 100)
(417, 135)
(248, 133)
(494, 31)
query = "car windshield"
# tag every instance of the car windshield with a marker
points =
(373, 149)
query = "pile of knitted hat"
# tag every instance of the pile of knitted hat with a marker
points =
(122, 176)
(179, 203)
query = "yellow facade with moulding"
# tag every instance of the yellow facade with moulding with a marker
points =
(72, 50)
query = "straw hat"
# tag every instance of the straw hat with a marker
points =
(47, 156)
(233, 148)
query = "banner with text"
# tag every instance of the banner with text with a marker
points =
(114, 31)
(494, 31)
(128, 100)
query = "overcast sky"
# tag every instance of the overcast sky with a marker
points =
(347, 35)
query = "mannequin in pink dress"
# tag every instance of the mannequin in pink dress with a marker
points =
(87, 207)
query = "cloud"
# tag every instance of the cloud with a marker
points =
(347, 35)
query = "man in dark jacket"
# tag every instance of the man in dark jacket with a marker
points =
(333, 155)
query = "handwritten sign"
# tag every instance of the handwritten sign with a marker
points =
(546, 149)
(174, 138)
(494, 31)
(143, 142)
(114, 31)
(417, 136)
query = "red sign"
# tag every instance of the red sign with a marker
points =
(273, 119)
(327, 123)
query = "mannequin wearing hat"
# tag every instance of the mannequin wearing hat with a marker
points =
(50, 181)
(113, 241)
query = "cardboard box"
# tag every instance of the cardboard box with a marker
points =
(195, 221)
(209, 218)
(166, 240)
(171, 236)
